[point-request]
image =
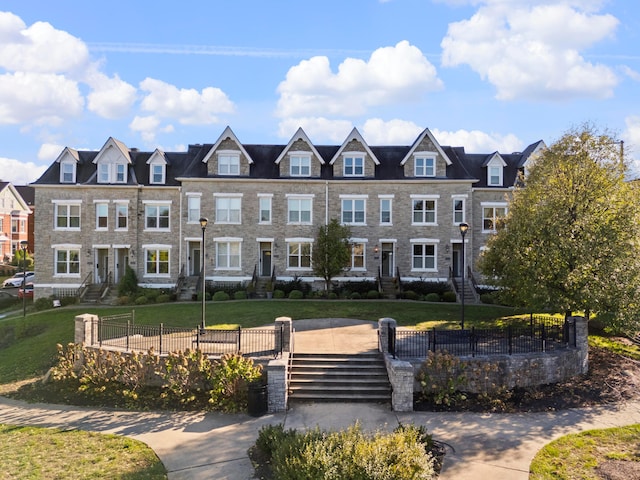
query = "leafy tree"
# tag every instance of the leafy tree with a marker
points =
(570, 240)
(331, 251)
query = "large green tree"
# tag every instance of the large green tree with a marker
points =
(331, 251)
(570, 240)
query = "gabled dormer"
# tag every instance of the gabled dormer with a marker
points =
(495, 170)
(354, 158)
(425, 158)
(157, 168)
(113, 162)
(68, 161)
(300, 158)
(529, 156)
(228, 157)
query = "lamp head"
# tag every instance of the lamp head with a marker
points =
(203, 222)
(463, 228)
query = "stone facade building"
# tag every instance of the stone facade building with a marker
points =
(99, 211)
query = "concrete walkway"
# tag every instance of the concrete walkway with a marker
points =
(210, 445)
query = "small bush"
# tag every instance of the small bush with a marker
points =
(123, 300)
(129, 283)
(163, 298)
(64, 301)
(355, 296)
(296, 295)
(441, 376)
(373, 294)
(332, 296)
(142, 300)
(411, 295)
(278, 293)
(43, 303)
(240, 295)
(220, 296)
(487, 298)
(432, 297)
(449, 296)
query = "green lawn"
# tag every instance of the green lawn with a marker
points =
(28, 345)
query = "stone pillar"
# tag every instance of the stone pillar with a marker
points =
(84, 328)
(383, 332)
(582, 342)
(401, 377)
(277, 384)
(286, 324)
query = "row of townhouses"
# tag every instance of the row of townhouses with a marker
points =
(15, 220)
(99, 211)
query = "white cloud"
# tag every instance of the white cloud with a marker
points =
(632, 139)
(49, 151)
(187, 106)
(38, 98)
(111, 97)
(393, 132)
(20, 173)
(632, 74)
(391, 75)
(319, 129)
(532, 49)
(148, 127)
(475, 141)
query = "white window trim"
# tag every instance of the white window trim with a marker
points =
(426, 241)
(56, 204)
(74, 169)
(364, 242)
(495, 163)
(303, 154)
(293, 196)
(119, 203)
(435, 209)
(105, 203)
(228, 240)
(269, 197)
(67, 247)
(426, 155)
(289, 241)
(493, 205)
(351, 198)
(228, 153)
(163, 166)
(390, 198)
(218, 196)
(353, 155)
(156, 246)
(194, 195)
(455, 198)
(160, 203)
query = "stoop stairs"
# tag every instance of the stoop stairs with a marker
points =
(335, 377)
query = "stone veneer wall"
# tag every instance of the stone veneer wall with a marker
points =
(509, 371)
(277, 374)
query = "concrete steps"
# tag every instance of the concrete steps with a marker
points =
(389, 289)
(338, 378)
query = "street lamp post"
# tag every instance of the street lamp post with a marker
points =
(23, 246)
(463, 231)
(203, 225)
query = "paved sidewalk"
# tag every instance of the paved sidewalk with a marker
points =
(195, 446)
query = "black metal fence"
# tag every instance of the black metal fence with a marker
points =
(540, 335)
(123, 333)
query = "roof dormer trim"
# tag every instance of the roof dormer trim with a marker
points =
(158, 156)
(493, 159)
(299, 135)
(414, 148)
(228, 133)
(354, 135)
(118, 146)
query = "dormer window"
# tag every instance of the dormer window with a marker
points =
(68, 172)
(494, 175)
(112, 173)
(228, 164)
(300, 165)
(353, 165)
(425, 166)
(157, 174)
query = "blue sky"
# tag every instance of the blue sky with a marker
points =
(484, 74)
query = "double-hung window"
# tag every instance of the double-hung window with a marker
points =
(112, 172)
(386, 202)
(458, 209)
(357, 255)
(492, 215)
(193, 208)
(299, 209)
(228, 164)
(157, 173)
(353, 166)
(157, 216)
(264, 201)
(424, 209)
(299, 254)
(228, 253)
(425, 166)
(228, 208)
(67, 260)
(67, 216)
(67, 172)
(423, 257)
(300, 165)
(354, 210)
(157, 259)
(102, 215)
(122, 215)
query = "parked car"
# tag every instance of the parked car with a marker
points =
(26, 292)
(6, 296)
(16, 280)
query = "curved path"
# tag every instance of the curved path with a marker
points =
(213, 445)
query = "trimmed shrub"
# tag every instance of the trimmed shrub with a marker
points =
(487, 298)
(411, 295)
(278, 293)
(163, 298)
(220, 296)
(123, 300)
(129, 283)
(295, 284)
(69, 300)
(355, 296)
(240, 295)
(449, 296)
(142, 300)
(373, 294)
(432, 297)
(296, 295)
(332, 296)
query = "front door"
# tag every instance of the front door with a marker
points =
(265, 259)
(387, 259)
(122, 260)
(102, 265)
(194, 259)
(457, 265)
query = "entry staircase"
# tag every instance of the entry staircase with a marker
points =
(188, 288)
(324, 377)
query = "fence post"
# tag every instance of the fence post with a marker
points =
(391, 337)
(198, 337)
(128, 333)
(472, 341)
(239, 335)
(544, 337)
(160, 352)
(433, 344)
(510, 340)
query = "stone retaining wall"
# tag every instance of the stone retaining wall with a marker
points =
(508, 371)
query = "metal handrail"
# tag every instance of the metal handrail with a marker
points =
(83, 286)
(379, 280)
(399, 279)
(178, 286)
